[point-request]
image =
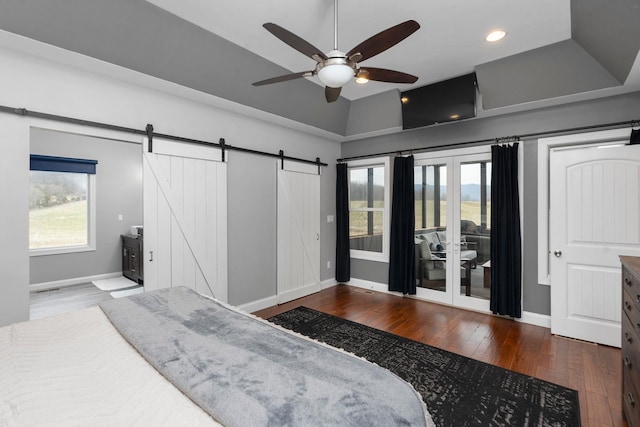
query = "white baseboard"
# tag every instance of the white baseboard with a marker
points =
(374, 286)
(329, 283)
(536, 319)
(44, 286)
(250, 307)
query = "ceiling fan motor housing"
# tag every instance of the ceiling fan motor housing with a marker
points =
(335, 71)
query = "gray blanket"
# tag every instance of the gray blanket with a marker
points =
(245, 372)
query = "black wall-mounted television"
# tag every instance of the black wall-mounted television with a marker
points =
(446, 101)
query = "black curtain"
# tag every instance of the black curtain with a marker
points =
(402, 268)
(343, 257)
(506, 258)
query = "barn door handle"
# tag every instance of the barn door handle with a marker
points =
(557, 253)
(150, 256)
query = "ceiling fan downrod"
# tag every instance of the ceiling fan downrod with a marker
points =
(335, 24)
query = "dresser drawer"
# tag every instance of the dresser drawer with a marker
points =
(630, 402)
(631, 284)
(630, 307)
(630, 352)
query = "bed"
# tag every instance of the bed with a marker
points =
(176, 358)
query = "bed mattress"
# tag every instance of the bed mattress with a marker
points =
(76, 370)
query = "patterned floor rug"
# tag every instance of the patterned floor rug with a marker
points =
(458, 391)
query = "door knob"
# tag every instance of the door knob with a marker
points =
(557, 253)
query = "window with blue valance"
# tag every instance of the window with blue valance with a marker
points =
(62, 164)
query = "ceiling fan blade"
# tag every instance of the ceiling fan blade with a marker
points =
(332, 93)
(284, 78)
(389, 76)
(294, 41)
(384, 40)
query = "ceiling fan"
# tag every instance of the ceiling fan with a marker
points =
(336, 68)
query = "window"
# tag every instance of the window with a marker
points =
(61, 205)
(369, 209)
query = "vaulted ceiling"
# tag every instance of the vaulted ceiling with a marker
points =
(556, 51)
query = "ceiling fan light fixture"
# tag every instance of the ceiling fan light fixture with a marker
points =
(495, 36)
(335, 75)
(362, 77)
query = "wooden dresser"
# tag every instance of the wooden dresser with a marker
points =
(132, 258)
(631, 339)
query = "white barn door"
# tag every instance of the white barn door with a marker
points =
(185, 218)
(298, 235)
(594, 202)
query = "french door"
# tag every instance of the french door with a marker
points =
(453, 220)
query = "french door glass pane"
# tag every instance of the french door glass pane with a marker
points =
(475, 233)
(430, 183)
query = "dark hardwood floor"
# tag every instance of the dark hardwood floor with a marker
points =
(593, 370)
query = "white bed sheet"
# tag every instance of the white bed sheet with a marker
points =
(76, 370)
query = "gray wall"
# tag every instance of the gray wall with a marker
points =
(536, 297)
(118, 191)
(252, 218)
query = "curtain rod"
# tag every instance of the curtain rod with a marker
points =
(149, 132)
(631, 123)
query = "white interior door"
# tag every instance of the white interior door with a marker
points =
(185, 218)
(593, 216)
(298, 236)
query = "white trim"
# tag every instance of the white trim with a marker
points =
(544, 147)
(37, 49)
(329, 283)
(260, 304)
(543, 320)
(452, 152)
(374, 286)
(43, 286)
(62, 250)
(263, 303)
(91, 227)
(301, 292)
(386, 211)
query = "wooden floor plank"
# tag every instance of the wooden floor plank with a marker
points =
(594, 370)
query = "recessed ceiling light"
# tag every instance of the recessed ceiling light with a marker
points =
(496, 35)
(404, 99)
(454, 116)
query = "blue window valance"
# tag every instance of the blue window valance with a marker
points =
(62, 164)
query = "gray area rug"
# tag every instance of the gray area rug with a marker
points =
(459, 391)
